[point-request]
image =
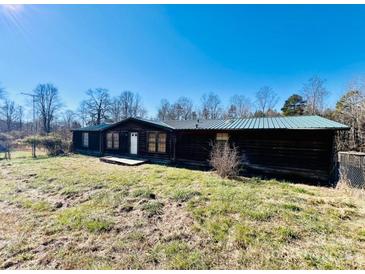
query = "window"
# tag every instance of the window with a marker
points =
(109, 140)
(85, 139)
(157, 142)
(222, 137)
(116, 140)
(152, 142)
(112, 140)
(161, 143)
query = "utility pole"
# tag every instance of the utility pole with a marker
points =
(33, 128)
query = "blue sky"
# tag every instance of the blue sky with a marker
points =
(166, 51)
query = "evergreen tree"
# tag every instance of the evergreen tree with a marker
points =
(294, 105)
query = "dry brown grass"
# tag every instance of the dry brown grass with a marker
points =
(345, 186)
(78, 213)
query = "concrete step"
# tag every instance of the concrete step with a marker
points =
(122, 161)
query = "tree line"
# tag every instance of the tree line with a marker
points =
(98, 106)
(311, 102)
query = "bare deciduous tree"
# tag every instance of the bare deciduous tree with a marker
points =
(83, 114)
(182, 109)
(20, 115)
(96, 107)
(350, 110)
(163, 111)
(266, 99)
(47, 104)
(9, 114)
(131, 105)
(69, 118)
(272, 113)
(314, 92)
(116, 110)
(240, 107)
(210, 106)
(2, 93)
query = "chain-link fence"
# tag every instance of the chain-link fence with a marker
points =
(352, 168)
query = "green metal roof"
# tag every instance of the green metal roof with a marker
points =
(293, 122)
(100, 127)
(104, 126)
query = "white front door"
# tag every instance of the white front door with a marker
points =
(134, 142)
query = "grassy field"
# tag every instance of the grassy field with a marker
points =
(78, 213)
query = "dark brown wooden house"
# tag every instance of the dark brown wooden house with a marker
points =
(300, 147)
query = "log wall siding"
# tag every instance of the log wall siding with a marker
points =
(94, 142)
(193, 145)
(303, 153)
(143, 129)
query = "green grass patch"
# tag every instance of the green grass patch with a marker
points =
(302, 191)
(218, 228)
(152, 208)
(178, 255)
(287, 234)
(36, 205)
(143, 193)
(184, 195)
(84, 217)
(244, 235)
(361, 235)
(78, 213)
(262, 215)
(292, 207)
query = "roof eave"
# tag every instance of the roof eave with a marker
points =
(167, 127)
(241, 129)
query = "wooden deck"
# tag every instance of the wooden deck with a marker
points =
(123, 161)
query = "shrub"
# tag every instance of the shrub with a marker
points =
(54, 145)
(6, 142)
(32, 140)
(18, 134)
(225, 160)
